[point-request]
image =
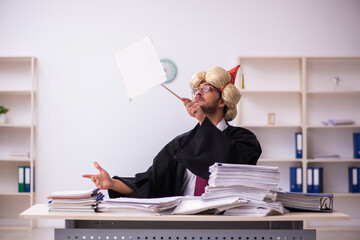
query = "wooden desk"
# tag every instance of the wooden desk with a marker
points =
(180, 227)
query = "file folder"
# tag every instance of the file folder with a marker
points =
(298, 145)
(21, 181)
(353, 179)
(317, 180)
(313, 202)
(27, 179)
(295, 179)
(356, 139)
(310, 180)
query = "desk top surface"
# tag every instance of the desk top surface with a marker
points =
(40, 211)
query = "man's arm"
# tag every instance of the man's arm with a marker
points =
(102, 180)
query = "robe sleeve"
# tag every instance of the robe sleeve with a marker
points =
(209, 145)
(162, 179)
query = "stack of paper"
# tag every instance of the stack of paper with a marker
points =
(251, 182)
(75, 201)
(256, 185)
(193, 205)
(149, 206)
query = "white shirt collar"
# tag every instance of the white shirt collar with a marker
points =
(222, 125)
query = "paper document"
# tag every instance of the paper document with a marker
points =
(140, 67)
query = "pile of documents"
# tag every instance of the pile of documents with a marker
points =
(75, 201)
(143, 206)
(254, 186)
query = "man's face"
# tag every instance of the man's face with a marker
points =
(208, 97)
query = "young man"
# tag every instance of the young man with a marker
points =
(181, 167)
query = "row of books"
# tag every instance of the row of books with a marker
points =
(314, 179)
(24, 179)
(299, 147)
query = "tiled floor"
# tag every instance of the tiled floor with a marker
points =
(48, 234)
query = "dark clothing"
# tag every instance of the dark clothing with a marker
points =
(195, 150)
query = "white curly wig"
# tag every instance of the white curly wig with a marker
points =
(223, 80)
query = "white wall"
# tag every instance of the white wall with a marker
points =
(83, 110)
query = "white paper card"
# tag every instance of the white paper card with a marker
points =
(140, 67)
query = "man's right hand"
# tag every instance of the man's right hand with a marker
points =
(102, 180)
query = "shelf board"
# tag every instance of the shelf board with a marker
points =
(264, 160)
(12, 125)
(13, 159)
(347, 194)
(334, 126)
(25, 92)
(270, 92)
(15, 194)
(270, 126)
(28, 58)
(333, 160)
(334, 92)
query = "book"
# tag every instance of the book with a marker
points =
(313, 202)
(354, 179)
(295, 179)
(298, 145)
(317, 180)
(310, 180)
(27, 179)
(21, 177)
(356, 140)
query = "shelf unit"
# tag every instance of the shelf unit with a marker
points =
(17, 135)
(302, 93)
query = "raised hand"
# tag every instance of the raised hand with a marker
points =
(102, 180)
(194, 110)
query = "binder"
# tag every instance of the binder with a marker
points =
(21, 182)
(298, 145)
(317, 180)
(313, 202)
(27, 179)
(353, 179)
(295, 179)
(310, 180)
(356, 140)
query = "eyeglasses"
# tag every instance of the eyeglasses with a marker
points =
(204, 89)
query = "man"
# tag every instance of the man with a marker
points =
(181, 167)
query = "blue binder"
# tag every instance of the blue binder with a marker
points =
(27, 179)
(356, 137)
(353, 179)
(298, 145)
(310, 180)
(295, 179)
(317, 180)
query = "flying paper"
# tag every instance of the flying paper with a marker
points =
(140, 67)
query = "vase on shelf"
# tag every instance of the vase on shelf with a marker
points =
(2, 118)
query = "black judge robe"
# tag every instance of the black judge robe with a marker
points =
(195, 150)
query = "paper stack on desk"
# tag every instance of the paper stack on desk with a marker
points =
(257, 185)
(147, 206)
(75, 201)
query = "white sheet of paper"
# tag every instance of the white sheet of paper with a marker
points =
(140, 67)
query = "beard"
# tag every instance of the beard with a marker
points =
(210, 108)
